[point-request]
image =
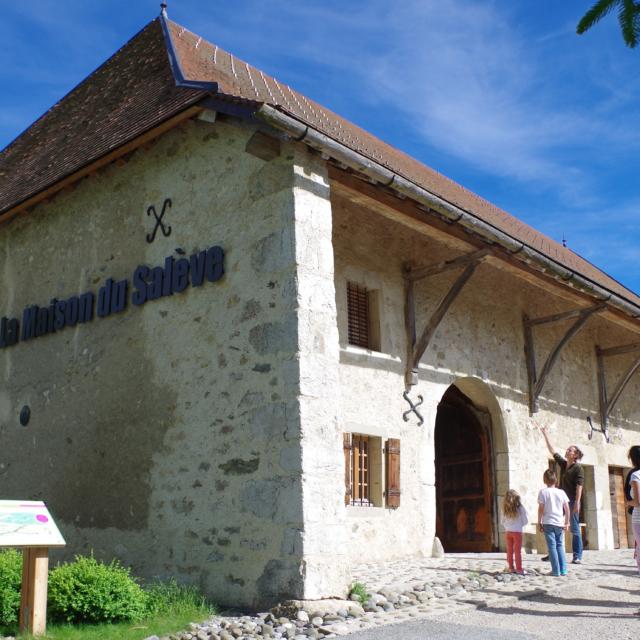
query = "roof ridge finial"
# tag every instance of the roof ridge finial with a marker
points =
(163, 9)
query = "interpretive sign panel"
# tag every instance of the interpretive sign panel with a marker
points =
(25, 523)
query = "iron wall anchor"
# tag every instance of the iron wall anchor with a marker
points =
(413, 408)
(604, 431)
(166, 230)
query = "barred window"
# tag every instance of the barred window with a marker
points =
(363, 318)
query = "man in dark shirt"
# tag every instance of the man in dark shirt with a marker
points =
(571, 482)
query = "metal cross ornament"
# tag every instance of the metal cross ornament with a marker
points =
(166, 231)
(413, 409)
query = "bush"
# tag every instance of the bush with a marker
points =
(10, 579)
(90, 591)
(170, 598)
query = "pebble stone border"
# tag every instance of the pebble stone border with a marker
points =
(291, 621)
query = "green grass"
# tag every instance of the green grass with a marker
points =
(171, 608)
(360, 591)
(88, 600)
(158, 625)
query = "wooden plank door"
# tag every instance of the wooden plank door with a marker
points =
(463, 487)
(618, 508)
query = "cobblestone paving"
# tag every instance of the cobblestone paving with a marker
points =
(496, 587)
(418, 589)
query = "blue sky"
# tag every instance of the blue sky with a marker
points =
(500, 96)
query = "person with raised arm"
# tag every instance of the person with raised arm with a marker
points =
(572, 483)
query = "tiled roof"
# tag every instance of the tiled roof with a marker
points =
(129, 94)
(135, 90)
(203, 61)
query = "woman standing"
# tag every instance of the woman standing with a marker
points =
(633, 485)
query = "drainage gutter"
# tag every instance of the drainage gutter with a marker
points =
(450, 212)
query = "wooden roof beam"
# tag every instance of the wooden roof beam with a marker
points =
(415, 350)
(616, 351)
(606, 404)
(536, 384)
(447, 265)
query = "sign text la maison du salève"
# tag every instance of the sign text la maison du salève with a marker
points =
(146, 283)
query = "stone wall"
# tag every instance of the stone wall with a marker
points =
(199, 435)
(479, 346)
(169, 435)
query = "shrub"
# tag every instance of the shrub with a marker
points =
(171, 598)
(360, 591)
(10, 579)
(90, 591)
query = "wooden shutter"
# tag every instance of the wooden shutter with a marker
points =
(347, 467)
(358, 315)
(392, 451)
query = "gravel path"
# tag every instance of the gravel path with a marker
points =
(439, 630)
(594, 610)
(600, 601)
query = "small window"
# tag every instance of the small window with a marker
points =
(363, 317)
(360, 470)
(364, 471)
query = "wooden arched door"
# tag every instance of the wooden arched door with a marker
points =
(464, 502)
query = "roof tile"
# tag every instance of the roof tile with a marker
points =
(129, 94)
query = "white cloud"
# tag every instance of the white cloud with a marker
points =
(469, 80)
(476, 89)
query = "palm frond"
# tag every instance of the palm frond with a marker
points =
(598, 11)
(629, 19)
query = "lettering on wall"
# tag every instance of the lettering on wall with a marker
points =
(145, 284)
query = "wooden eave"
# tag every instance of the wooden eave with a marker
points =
(117, 155)
(405, 211)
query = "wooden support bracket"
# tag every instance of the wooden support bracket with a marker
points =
(607, 404)
(536, 383)
(447, 265)
(415, 350)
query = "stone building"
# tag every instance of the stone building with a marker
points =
(221, 304)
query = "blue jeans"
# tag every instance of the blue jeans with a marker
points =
(555, 544)
(576, 537)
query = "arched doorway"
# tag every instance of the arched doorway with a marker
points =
(463, 464)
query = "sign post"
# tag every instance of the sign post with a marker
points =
(29, 526)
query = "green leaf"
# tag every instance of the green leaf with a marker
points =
(628, 18)
(598, 11)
